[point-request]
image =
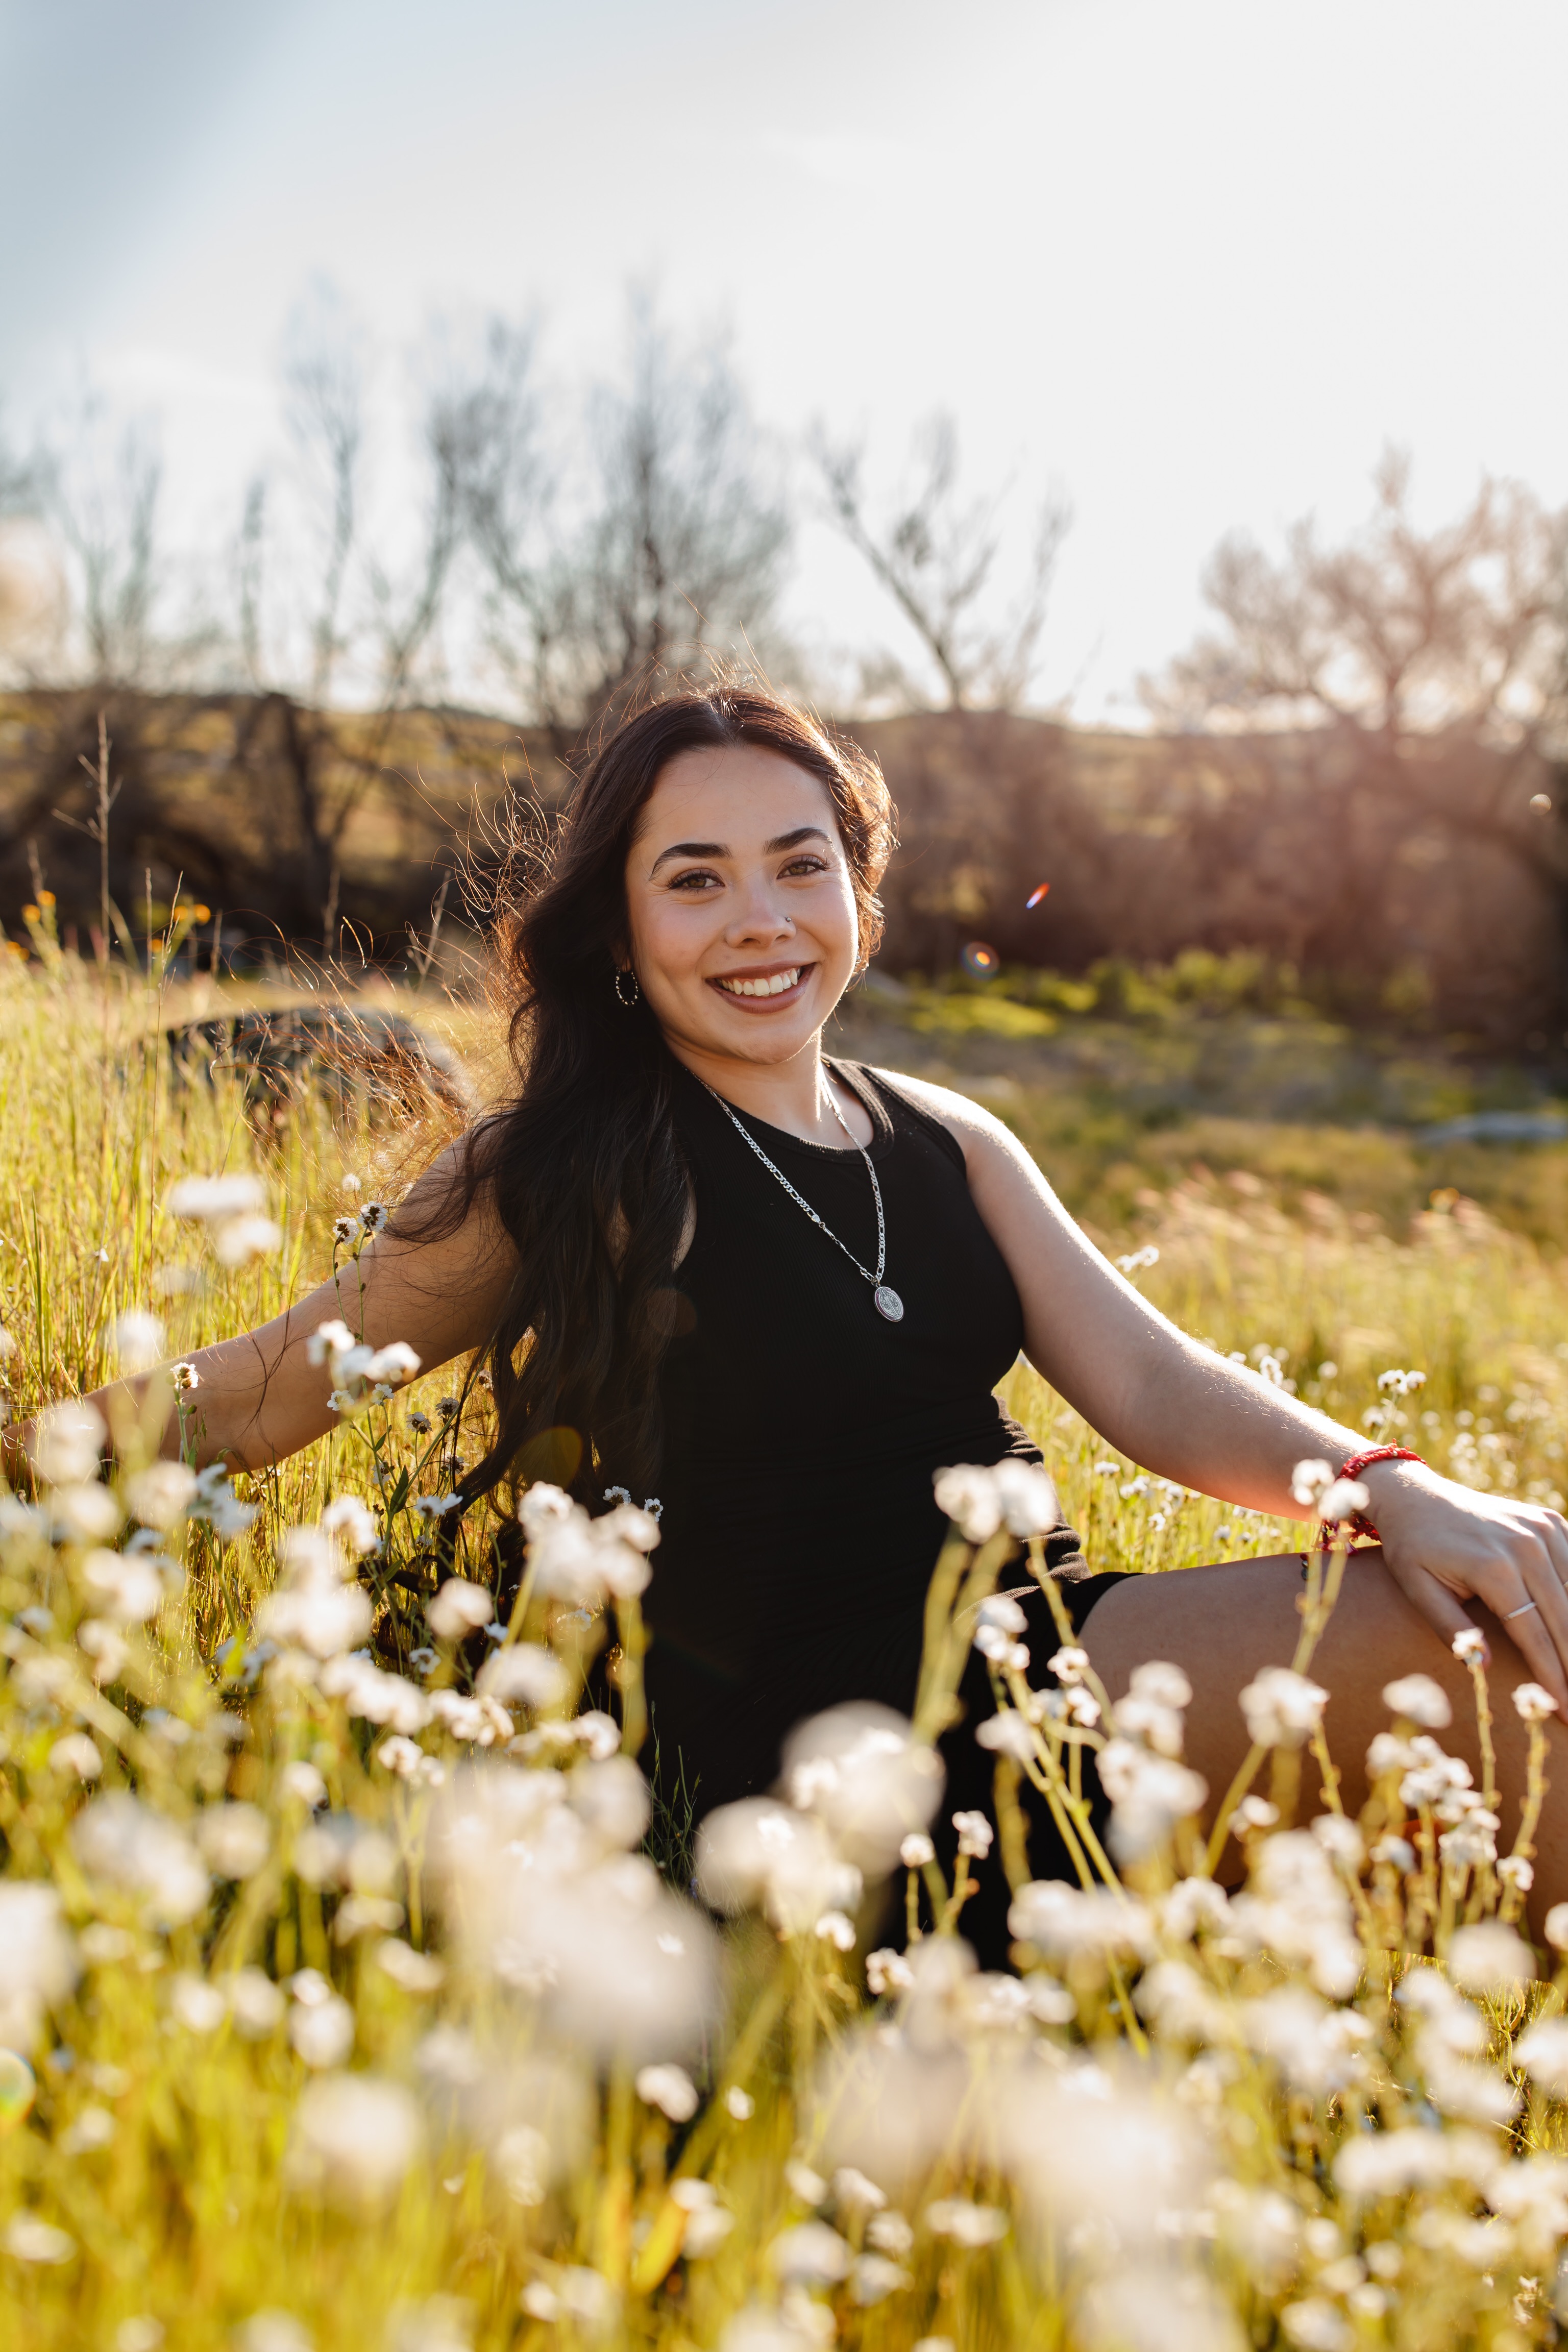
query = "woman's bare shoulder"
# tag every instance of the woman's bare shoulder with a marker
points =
(972, 1125)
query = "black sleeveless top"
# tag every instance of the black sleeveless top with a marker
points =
(799, 1530)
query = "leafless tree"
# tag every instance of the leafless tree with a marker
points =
(104, 503)
(362, 607)
(936, 552)
(1395, 634)
(673, 555)
(1421, 675)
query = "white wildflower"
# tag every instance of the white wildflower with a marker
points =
(873, 2278)
(967, 2224)
(233, 1839)
(1027, 1496)
(213, 1200)
(415, 1972)
(30, 2239)
(740, 2104)
(1283, 1710)
(756, 1852)
(136, 1340)
(255, 2003)
(1418, 1699)
(77, 1755)
(811, 2254)
(105, 1645)
(375, 1697)
(969, 1496)
(917, 1850)
(862, 1773)
(1347, 1498)
(237, 1240)
(1309, 1481)
(1149, 1795)
(198, 2006)
(354, 2139)
(322, 2033)
(670, 2089)
(84, 1514)
(836, 1929)
(1531, 1704)
(68, 1440)
(313, 1609)
(1542, 2052)
(38, 1960)
(1469, 1645)
(353, 1523)
(1315, 2325)
(433, 1508)
(1315, 2047)
(1489, 1957)
(124, 1843)
(458, 1608)
(523, 1675)
(124, 1587)
(1062, 1921)
(303, 1782)
(160, 1494)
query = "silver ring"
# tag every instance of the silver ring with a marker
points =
(1520, 1612)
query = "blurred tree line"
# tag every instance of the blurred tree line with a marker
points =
(1357, 770)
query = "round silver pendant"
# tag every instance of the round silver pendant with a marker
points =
(888, 1302)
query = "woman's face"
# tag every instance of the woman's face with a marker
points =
(742, 921)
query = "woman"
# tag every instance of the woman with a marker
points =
(777, 1291)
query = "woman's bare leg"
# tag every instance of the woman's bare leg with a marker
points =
(1221, 1625)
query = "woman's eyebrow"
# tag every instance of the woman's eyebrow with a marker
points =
(718, 849)
(688, 849)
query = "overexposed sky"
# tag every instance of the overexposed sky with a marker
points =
(1193, 261)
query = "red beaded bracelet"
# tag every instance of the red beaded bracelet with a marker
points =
(1359, 1522)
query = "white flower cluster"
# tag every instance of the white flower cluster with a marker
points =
(979, 1500)
(582, 1560)
(858, 1787)
(359, 1371)
(548, 1898)
(230, 1207)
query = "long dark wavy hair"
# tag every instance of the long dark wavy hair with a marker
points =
(582, 1166)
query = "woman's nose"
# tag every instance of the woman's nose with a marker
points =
(760, 914)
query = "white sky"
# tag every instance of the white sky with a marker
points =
(1191, 260)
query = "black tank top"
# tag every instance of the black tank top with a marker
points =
(799, 1530)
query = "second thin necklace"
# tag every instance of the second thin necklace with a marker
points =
(884, 1298)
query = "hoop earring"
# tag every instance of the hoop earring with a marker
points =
(621, 996)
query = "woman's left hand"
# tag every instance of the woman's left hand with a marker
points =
(1445, 1545)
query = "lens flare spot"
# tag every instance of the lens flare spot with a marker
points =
(1035, 896)
(19, 2087)
(980, 961)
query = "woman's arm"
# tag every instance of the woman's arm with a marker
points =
(259, 1398)
(1178, 1409)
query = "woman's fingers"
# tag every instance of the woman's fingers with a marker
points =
(1443, 1612)
(1543, 1585)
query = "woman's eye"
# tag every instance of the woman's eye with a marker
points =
(695, 881)
(806, 865)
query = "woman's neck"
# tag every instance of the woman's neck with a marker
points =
(792, 1094)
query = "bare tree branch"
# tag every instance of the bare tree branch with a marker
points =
(936, 553)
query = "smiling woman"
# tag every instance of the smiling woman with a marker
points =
(778, 1292)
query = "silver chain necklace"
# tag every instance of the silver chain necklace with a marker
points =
(884, 1298)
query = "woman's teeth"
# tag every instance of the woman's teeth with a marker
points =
(775, 986)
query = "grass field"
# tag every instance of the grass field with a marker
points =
(339, 2006)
